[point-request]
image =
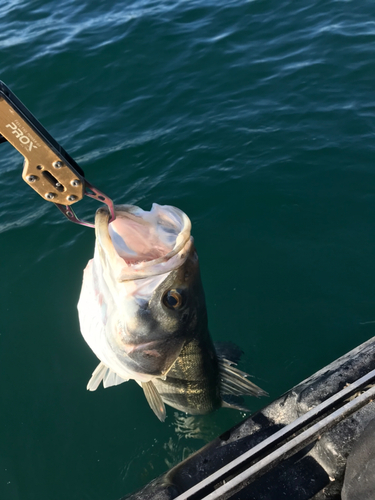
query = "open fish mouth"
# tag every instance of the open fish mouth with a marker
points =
(140, 244)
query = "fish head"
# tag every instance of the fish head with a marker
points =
(174, 313)
(177, 306)
(146, 272)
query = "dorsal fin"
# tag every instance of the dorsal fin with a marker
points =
(234, 381)
(228, 350)
(227, 402)
(154, 400)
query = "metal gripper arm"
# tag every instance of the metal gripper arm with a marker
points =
(48, 168)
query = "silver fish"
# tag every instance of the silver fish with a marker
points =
(142, 311)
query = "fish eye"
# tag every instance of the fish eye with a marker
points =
(172, 299)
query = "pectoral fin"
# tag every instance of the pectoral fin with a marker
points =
(102, 373)
(154, 400)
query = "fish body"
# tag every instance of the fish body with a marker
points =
(192, 384)
(142, 311)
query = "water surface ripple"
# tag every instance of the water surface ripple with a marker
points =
(257, 118)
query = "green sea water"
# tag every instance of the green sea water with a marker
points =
(255, 118)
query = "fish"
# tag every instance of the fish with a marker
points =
(142, 311)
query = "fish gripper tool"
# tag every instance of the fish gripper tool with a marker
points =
(48, 168)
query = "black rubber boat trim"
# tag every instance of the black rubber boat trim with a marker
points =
(283, 443)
